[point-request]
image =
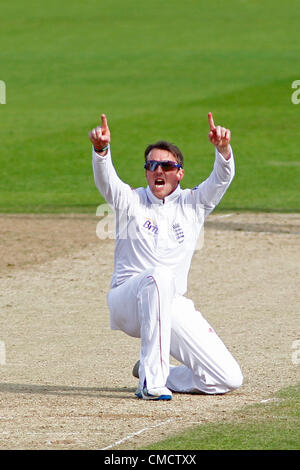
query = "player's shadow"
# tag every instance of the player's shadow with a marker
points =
(66, 390)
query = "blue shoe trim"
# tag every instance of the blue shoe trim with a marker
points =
(148, 396)
(139, 394)
(162, 397)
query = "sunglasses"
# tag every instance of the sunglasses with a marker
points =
(166, 165)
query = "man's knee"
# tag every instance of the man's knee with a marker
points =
(234, 378)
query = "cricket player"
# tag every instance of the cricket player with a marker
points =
(157, 228)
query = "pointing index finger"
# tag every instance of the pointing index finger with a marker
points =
(211, 122)
(104, 121)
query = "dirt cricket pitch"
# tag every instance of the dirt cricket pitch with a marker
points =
(65, 378)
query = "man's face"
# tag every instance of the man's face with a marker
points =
(162, 183)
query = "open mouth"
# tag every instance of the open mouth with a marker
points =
(159, 182)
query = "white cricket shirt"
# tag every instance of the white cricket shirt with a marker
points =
(152, 232)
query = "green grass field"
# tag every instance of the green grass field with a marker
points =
(273, 425)
(156, 69)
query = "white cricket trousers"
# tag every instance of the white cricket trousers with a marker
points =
(146, 307)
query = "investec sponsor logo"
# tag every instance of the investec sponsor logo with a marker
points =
(150, 226)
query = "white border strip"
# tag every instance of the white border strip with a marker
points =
(134, 434)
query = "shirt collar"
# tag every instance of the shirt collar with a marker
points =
(166, 200)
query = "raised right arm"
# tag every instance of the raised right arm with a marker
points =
(116, 193)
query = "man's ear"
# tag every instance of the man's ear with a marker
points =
(180, 174)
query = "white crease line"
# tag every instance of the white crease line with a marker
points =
(134, 434)
(268, 400)
(223, 216)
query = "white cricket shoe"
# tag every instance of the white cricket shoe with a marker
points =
(162, 393)
(138, 393)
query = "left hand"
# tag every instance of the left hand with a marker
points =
(219, 137)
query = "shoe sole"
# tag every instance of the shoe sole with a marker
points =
(154, 398)
(140, 395)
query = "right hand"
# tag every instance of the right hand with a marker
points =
(219, 137)
(100, 135)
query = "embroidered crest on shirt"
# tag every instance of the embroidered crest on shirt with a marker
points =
(178, 232)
